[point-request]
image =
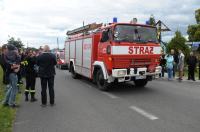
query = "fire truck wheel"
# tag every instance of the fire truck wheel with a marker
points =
(73, 73)
(140, 83)
(101, 82)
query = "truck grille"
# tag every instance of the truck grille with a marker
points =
(130, 63)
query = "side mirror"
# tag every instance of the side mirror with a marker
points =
(116, 34)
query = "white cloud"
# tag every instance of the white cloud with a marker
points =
(41, 21)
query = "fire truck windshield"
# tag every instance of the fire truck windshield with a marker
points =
(130, 33)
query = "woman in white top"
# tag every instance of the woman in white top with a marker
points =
(181, 58)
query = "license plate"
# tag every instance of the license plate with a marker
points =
(140, 77)
(132, 72)
(157, 76)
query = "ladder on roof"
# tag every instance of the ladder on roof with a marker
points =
(84, 29)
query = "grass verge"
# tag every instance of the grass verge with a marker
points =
(7, 115)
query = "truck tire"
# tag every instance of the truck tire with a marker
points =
(140, 83)
(101, 82)
(73, 73)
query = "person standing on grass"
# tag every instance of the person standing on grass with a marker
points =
(170, 60)
(181, 59)
(46, 62)
(12, 67)
(191, 61)
(19, 74)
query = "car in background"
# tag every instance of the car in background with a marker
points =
(61, 64)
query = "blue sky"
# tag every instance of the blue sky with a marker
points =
(39, 22)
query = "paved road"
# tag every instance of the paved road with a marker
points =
(160, 107)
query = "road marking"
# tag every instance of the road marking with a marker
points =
(88, 85)
(110, 95)
(144, 113)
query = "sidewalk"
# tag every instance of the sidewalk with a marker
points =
(176, 79)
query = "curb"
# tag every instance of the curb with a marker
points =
(175, 79)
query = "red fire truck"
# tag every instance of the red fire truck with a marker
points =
(117, 52)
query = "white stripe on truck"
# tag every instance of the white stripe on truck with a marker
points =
(135, 50)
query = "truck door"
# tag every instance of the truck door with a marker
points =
(104, 42)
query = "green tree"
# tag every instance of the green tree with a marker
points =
(194, 30)
(32, 48)
(178, 42)
(18, 43)
(197, 35)
(197, 16)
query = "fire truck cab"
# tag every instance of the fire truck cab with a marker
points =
(117, 52)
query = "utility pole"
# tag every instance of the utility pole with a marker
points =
(27, 45)
(57, 43)
(161, 27)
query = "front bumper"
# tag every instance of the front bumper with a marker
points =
(134, 73)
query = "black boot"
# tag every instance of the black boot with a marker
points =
(33, 99)
(26, 97)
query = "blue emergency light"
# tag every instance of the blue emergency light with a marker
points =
(114, 19)
(147, 22)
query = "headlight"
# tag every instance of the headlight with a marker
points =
(121, 73)
(158, 69)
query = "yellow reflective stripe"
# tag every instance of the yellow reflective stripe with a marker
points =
(32, 91)
(26, 90)
(24, 63)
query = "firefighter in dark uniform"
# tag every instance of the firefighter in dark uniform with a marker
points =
(162, 64)
(192, 61)
(30, 61)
